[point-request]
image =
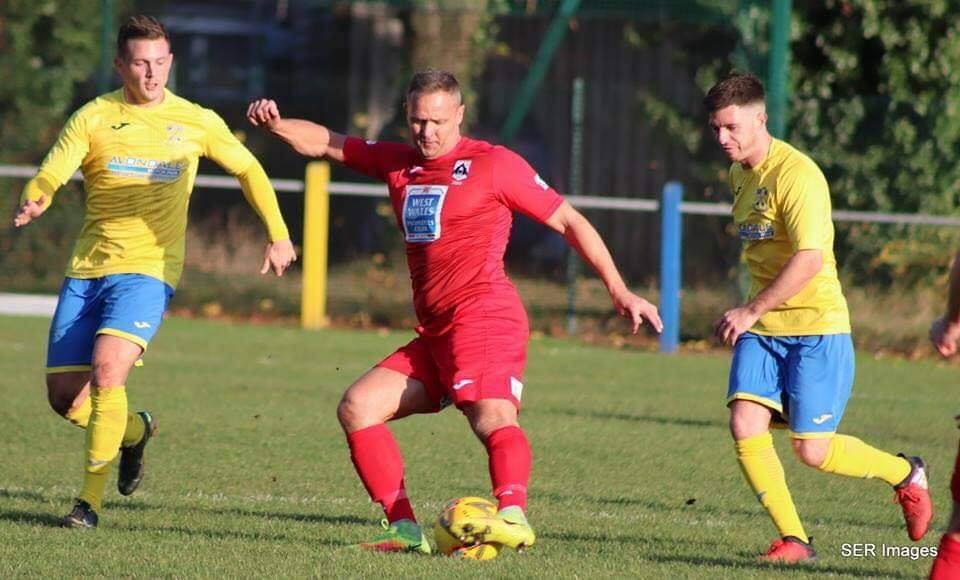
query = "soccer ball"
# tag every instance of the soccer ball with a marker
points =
(449, 544)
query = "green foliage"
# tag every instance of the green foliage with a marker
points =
(874, 99)
(46, 47)
(33, 258)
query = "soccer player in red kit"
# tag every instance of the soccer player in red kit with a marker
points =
(454, 199)
(945, 334)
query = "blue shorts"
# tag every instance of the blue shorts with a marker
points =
(806, 380)
(130, 306)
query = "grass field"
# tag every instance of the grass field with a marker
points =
(634, 473)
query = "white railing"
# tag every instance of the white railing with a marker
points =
(580, 201)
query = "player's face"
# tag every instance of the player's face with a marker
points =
(144, 69)
(740, 130)
(434, 120)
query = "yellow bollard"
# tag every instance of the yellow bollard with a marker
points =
(316, 222)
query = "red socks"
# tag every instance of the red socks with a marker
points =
(377, 458)
(510, 461)
(947, 564)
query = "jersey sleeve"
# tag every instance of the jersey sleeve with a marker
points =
(521, 189)
(222, 146)
(805, 208)
(62, 161)
(374, 159)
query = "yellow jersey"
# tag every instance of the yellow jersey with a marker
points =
(782, 206)
(139, 165)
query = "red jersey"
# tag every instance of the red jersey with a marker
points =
(455, 212)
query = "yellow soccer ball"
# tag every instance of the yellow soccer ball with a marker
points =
(449, 544)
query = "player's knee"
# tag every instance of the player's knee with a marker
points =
(109, 373)
(487, 416)
(748, 419)
(355, 412)
(812, 452)
(59, 395)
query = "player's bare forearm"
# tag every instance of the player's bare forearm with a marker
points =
(305, 137)
(310, 139)
(583, 237)
(795, 275)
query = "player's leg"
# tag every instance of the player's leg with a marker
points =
(129, 310)
(755, 398)
(133, 311)
(481, 363)
(494, 421)
(387, 392)
(820, 381)
(70, 349)
(947, 564)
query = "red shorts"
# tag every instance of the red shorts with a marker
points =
(479, 357)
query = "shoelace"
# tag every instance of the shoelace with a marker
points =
(905, 494)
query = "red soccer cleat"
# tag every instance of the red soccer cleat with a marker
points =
(914, 497)
(789, 550)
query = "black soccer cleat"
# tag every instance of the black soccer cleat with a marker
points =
(81, 516)
(131, 458)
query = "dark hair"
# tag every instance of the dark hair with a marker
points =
(140, 26)
(737, 88)
(430, 81)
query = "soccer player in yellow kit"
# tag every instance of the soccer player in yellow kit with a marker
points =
(138, 149)
(793, 360)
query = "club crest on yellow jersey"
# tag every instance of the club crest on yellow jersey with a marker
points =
(761, 203)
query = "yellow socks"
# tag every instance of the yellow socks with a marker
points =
(134, 431)
(763, 470)
(80, 415)
(108, 420)
(854, 458)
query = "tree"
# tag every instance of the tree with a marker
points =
(46, 48)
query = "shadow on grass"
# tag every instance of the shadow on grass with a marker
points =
(747, 562)
(230, 534)
(29, 518)
(306, 518)
(632, 540)
(616, 416)
(704, 508)
(24, 494)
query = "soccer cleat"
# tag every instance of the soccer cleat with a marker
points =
(789, 550)
(400, 536)
(81, 516)
(914, 497)
(508, 527)
(131, 458)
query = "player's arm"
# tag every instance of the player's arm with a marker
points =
(804, 207)
(793, 277)
(228, 152)
(259, 192)
(61, 162)
(583, 237)
(305, 137)
(945, 331)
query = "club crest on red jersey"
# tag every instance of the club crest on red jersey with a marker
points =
(461, 169)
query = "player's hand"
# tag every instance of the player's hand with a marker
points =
(263, 113)
(733, 323)
(944, 336)
(278, 256)
(29, 211)
(631, 306)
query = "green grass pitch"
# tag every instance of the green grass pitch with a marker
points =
(634, 472)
